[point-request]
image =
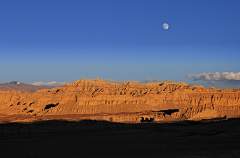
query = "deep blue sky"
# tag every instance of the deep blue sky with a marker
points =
(66, 40)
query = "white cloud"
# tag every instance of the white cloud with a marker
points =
(216, 76)
(150, 80)
(49, 84)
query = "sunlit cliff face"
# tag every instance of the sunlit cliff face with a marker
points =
(124, 102)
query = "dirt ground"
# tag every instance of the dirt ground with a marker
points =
(186, 139)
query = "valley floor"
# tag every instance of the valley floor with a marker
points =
(87, 138)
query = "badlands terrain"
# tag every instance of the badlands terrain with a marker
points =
(129, 102)
(88, 118)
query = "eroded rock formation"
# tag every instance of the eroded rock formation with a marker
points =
(124, 102)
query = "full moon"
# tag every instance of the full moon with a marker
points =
(165, 26)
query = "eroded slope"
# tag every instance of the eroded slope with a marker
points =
(124, 102)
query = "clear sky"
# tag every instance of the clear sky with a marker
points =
(66, 40)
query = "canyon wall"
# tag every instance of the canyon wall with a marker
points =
(124, 102)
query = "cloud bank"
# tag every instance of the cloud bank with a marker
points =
(216, 76)
(49, 84)
(150, 80)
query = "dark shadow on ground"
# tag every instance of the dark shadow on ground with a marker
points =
(88, 138)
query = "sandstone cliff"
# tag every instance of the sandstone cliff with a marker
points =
(124, 102)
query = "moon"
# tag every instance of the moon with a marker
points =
(165, 26)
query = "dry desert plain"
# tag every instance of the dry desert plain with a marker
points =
(95, 118)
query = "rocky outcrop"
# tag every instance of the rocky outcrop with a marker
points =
(124, 102)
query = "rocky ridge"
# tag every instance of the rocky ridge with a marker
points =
(122, 102)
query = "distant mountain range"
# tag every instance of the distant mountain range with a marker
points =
(23, 87)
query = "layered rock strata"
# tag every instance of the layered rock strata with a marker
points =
(124, 102)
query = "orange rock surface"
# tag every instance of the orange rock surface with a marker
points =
(122, 102)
